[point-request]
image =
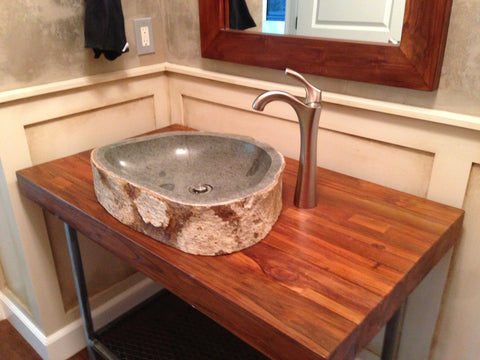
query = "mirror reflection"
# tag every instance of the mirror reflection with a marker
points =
(378, 21)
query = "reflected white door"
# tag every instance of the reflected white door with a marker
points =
(360, 20)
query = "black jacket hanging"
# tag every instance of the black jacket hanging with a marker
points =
(239, 17)
(104, 28)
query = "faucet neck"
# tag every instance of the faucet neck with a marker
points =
(308, 113)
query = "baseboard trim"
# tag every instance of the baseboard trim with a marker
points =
(68, 340)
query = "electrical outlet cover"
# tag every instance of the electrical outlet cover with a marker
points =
(143, 47)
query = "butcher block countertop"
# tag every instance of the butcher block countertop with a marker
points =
(319, 286)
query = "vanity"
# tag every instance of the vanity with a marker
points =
(321, 284)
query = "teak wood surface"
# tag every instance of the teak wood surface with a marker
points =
(319, 286)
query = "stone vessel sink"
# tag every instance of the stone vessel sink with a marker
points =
(202, 193)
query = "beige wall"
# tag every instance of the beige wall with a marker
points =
(42, 41)
(459, 89)
(49, 48)
(255, 8)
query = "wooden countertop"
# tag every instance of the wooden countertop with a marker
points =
(319, 286)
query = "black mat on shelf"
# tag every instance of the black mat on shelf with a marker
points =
(166, 328)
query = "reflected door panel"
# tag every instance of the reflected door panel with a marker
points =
(359, 20)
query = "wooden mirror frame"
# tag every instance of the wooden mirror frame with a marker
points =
(415, 64)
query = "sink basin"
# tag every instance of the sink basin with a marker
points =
(202, 193)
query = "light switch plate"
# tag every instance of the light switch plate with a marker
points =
(144, 36)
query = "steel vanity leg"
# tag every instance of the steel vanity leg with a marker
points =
(393, 332)
(94, 346)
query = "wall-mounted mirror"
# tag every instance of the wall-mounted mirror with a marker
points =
(378, 21)
(412, 60)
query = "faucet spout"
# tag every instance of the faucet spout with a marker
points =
(262, 100)
(308, 114)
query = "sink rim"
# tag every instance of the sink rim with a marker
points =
(269, 179)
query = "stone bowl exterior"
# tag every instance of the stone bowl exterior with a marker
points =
(199, 229)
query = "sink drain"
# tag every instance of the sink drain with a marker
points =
(200, 189)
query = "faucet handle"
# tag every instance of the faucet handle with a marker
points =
(314, 95)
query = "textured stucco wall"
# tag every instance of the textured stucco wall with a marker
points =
(459, 89)
(42, 41)
(255, 8)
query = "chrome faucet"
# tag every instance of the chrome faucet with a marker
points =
(308, 112)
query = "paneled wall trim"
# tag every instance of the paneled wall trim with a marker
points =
(425, 152)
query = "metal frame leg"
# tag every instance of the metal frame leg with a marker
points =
(393, 333)
(94, 346)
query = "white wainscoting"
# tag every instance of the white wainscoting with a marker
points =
(47, 122)
(424, 152)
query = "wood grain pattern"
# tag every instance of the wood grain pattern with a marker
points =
(14, 347)
(415, 64)
(321, 284)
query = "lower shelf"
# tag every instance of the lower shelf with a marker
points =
(167, 328)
